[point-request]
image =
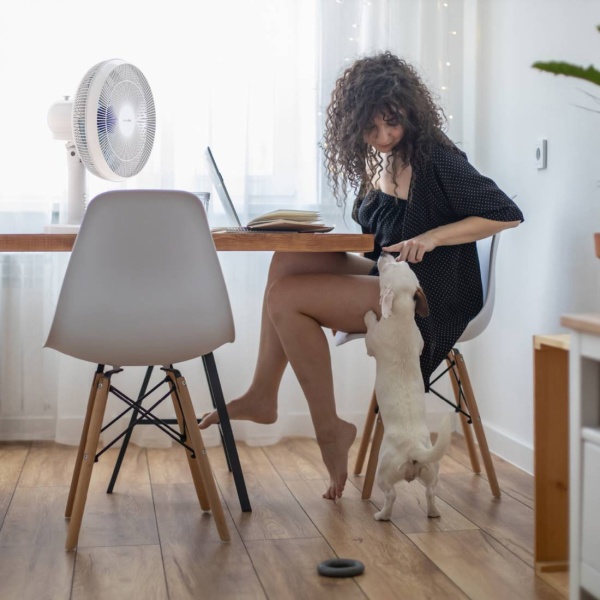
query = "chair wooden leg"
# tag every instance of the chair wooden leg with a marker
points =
(366, 436)
(373, 458)
(88, 458)
(454, 378)
(194, 469)
(81, 449)
(476, 418)
(201, 458)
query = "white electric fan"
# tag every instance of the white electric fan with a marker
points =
(109, 128)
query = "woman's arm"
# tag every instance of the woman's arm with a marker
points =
(464, 231)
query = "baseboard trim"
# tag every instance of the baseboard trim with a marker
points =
(513, 451)
(68, 431)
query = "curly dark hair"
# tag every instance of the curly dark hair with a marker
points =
(378, 84)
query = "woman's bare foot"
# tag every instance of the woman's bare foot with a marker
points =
(246, 408)
(335, 457)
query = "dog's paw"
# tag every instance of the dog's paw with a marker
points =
(382, 516)
(434, 513)
(370, 318)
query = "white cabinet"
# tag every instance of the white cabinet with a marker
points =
(584, 455)
(590, 530)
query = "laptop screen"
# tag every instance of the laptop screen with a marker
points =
(219, 184)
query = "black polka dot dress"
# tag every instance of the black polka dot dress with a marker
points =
(447, 189)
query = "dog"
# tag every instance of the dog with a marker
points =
(396, 343)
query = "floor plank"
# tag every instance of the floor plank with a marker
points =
(297, 458)
(168, 465)
(123, 518)
(391, 560)
(409, 512)
(275, 514)
(48, 464)
(288, 569)
(152, 530)
(199, 569)
(35, 571)
(36, 518)
(513, 481)
(180, 517)
(507, 520)
(133, 470)
(482, 567)
(12, 459)
(194, 557)
(119, 574)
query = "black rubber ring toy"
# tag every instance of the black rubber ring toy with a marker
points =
(340, 567)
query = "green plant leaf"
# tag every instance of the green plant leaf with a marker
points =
(562, 68)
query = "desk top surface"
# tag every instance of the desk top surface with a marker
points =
(584, 323)
(238, 241)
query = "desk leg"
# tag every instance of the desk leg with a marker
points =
(551, 468)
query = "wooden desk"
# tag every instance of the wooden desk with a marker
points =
(249, 241)
(551, 451)
(584, 454)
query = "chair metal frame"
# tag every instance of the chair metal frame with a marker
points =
(147, 418)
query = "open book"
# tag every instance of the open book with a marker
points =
(290, 220)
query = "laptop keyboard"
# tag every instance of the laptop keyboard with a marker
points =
(232, 229)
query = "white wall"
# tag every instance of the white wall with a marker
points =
(547, 266)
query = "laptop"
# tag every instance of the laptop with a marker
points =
(283, 220)
(219, 184)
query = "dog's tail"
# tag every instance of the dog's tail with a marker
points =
(429, 455)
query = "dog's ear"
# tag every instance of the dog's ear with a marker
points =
(421, 306)
(387, 297)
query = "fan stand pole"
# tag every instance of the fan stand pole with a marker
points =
(76, 199)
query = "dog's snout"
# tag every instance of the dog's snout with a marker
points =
(385, 259)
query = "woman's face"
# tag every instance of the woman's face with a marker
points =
(384, 133)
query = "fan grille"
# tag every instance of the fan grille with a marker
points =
(125, 121)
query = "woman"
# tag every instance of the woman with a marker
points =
(421, 199)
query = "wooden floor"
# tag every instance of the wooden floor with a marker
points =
(149, 540)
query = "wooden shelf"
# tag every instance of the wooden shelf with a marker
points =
(551, 451)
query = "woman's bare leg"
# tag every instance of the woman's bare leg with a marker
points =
(299, 306)
(259, 403)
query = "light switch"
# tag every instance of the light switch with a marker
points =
(541, 153)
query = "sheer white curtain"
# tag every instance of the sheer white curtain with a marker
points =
(250, 79)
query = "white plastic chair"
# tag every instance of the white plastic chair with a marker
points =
(466, 403)
(143, 287)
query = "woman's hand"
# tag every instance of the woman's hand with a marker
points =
(414, 250)
(469, 229)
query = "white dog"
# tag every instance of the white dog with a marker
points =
(396, 343)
